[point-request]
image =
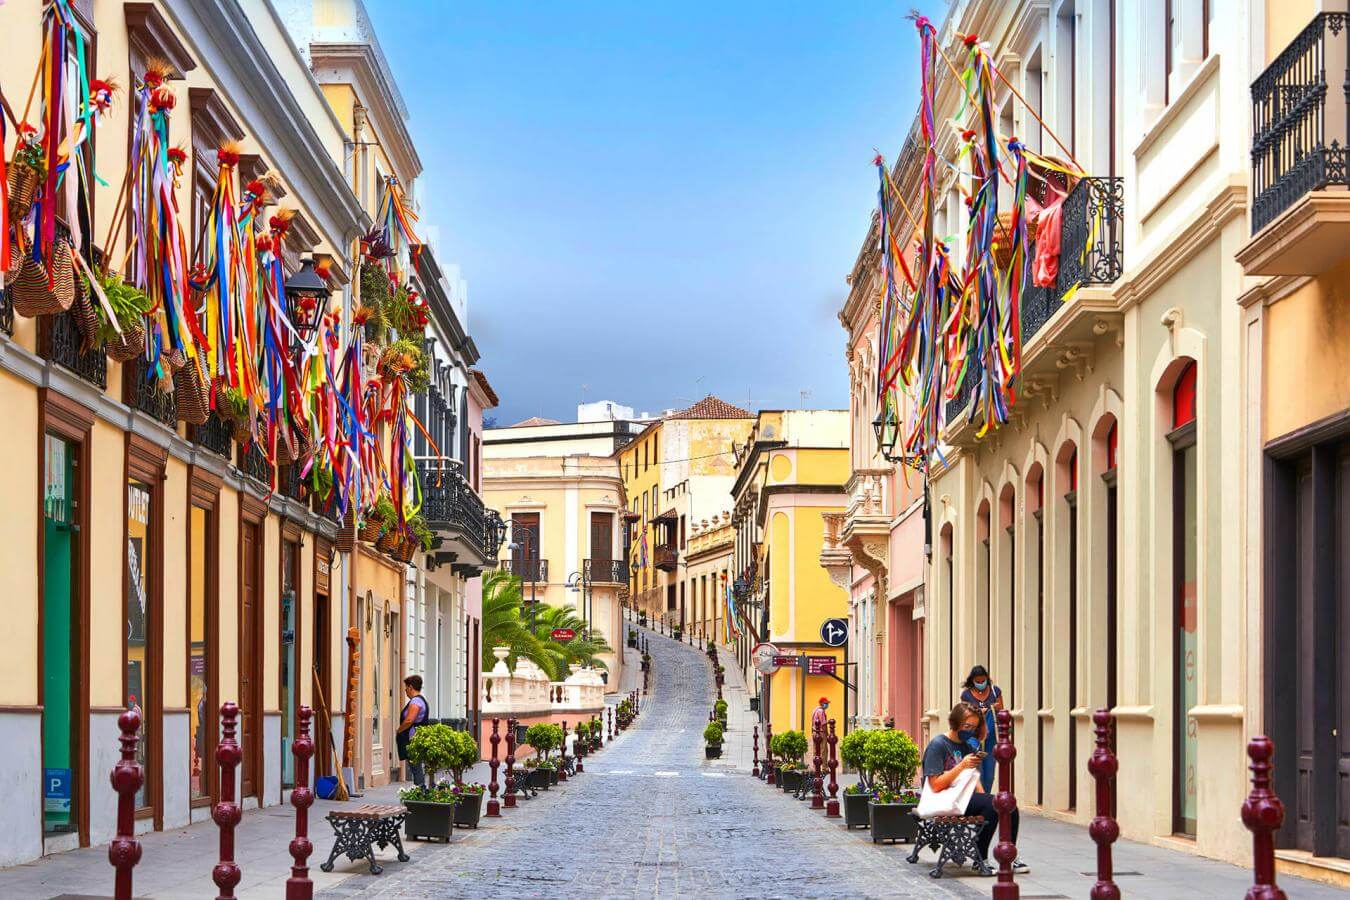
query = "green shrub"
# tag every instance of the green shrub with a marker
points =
(436, 748)
(853, 749)
(791, 746)
(712, 733)
(893, 758)
(720, 709)
(544, 738)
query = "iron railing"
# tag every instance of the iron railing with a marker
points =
(492, 534)
(450, 504)
(145, 395)
(215, 435)
(1298, 141)
(62, 344)
(666, 557)
(253, 461)
(6, 312)
(290, 484)
(605, 571)
(526, 569)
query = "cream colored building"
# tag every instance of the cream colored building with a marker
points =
(1104, 548)
(564, 536)
(708, 562)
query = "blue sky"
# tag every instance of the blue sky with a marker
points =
(656, 200)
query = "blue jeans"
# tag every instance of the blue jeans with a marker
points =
(416, 775)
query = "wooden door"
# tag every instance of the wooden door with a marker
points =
(1338, 677)
(250, 681)
(323, 754)
(602, 545)
(525, 535)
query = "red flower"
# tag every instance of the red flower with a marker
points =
(177, 155)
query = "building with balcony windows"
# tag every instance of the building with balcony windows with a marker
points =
(790, 476)
(1103, 548)
(1295, 400)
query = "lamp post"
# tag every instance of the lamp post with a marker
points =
(580, 582)
(531, 560)
(306, 298)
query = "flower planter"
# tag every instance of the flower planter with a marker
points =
(856, 813)
(712, 751)
(468, 810)
(789, 780)
(892, 822)
(552, 776)
(429, 821)
(538, 778)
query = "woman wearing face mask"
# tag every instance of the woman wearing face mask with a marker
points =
(982, 695)
(947, 756)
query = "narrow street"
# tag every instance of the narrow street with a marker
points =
(650, 817)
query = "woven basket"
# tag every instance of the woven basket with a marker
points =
(190, 392)
(346, 536)
(388, 541)
(406, 550)
(35, 294)
(1003, 238)
(370, 528)
(287, 452)
(24, 184)
(86, 320)
(127, 346)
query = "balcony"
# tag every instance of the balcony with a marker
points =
(492, 542)
(215, 435)
(1300, 162)
(290, 484)
(59, 342)
(527, 570)
(6, 312)
(605, 571)
(254, 463)
(143, 393)
(666, 557)
(454, 511)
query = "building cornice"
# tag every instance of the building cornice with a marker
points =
(227, 44)
(357, 59)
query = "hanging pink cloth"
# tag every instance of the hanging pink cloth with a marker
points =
(1045, 267)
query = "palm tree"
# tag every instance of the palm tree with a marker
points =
(582, 649)
(503, 624)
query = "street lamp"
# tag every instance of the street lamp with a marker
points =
(887, 431)
(531, 561)
(306, 298)
(580, 583)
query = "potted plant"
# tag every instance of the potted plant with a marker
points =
(853, 750)
(646, 662)
(431, 810)
(677, 632)
(790, 746)
(892, 757)
(712, 741)
(470, 806)
(720, 675)
(544, 738)
(720, 712)
(463, 754)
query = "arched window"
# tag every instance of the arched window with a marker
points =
(1035, 492)
(1069, 457)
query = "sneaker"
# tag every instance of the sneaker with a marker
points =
(982, 868)
(1019, 867)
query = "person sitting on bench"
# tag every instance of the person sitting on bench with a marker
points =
(947, 756)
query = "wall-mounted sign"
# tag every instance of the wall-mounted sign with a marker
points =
(563, 634)
(762, 658)
(786, 662)
(834, 632)
(56, 792)
(820, 665)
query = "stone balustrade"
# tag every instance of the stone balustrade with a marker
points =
(527, 695)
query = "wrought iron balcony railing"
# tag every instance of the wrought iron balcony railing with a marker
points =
(492, 542)
(254, 463)
(605, 571)
(215, 435)
(1298, 138)
(451, 505)
(290, 484)
(526, 569)
(146, 396)
(60, 343)
(6, 312)
(666, 557)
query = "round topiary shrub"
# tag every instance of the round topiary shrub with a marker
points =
(712, 733)
(544, 737)
(893, 758)
(791, 746)
(853, 750)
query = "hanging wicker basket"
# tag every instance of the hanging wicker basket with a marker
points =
(388, 540)
(190, 393)
(407, 549)
(346, 536)
(126, 346)
(24, 184)
(86, 319)
(36, 293)
(370, 528)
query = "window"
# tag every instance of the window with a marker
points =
(288, 657)
(1036, 490)
(1112, 565)
(1066, 80)
(201, 699)
(139, 623)
(602, 544)
(1185, 612)
(1071, 505)
(681, 532)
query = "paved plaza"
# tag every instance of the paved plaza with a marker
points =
(649, 818)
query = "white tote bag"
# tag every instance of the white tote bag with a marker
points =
(952, 801)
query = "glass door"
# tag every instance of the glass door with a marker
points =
(60, 626)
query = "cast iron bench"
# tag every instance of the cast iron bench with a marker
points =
(957, 839)
(360, 829)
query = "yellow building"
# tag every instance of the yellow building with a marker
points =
(707, 573)
(677, 471)
(790, 475)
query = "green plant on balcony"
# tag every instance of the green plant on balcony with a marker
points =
(425, 536)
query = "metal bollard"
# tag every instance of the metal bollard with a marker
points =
(817, 796)
(754, 743)
(599, 732)
(579, 750)
(226, 813)
(494, 807)
(1005, 851)
(1104, 829)
(298, 886)
(510, 801)
(1263, 814)
(127, 777)
(832, 805)
(611, 724)
(562, 753)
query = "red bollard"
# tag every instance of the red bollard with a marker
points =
(562, 752)
(771, 777)
(125, 851)
(298, 886)
(817, 796)
(494, 807)
(611, 724)
(510, 801)
(832, 805)
(754, 743)
(1263, 814)
(579, 750)
(1005, 851)
(1104, 829)
(226, 813)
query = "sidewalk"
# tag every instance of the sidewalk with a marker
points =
(1062, 857)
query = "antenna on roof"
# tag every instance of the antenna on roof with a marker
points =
(805, 393)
